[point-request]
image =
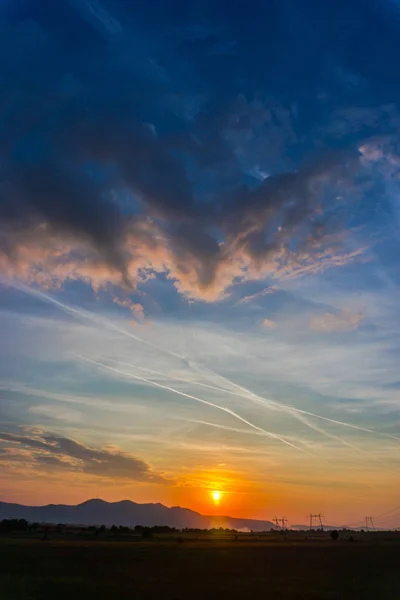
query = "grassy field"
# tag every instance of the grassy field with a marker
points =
(267, 567)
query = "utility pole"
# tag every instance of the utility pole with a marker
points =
(284, 522)
(310, 516)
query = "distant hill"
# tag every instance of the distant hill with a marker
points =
(100, 512)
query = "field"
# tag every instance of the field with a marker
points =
(275, 567)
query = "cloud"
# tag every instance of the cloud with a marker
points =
(55, 412)
(345, 320)
(93, 194)
(136, 308)
(251, 297)
(41, 449)
(268, 323)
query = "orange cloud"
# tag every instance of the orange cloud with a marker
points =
(336, 322)
(200, 270)
(136, 308)
(49, 262)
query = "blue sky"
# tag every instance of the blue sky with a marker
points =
(199, 239)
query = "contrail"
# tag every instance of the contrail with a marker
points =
(224, 427)
(307, 422)
(393, 437)
(177, 378)
(270, 403)
(89, 316)
(201, 400)
(292, 409)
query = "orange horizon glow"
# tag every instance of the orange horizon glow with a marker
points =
(240, 495)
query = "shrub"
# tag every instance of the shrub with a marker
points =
(147, 534)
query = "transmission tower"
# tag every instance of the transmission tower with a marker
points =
(276, 521)
(317, 519)
(369, 524)
(280, 522)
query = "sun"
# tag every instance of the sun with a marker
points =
(216, 496)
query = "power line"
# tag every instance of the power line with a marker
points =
(386, 515)
(396, 508)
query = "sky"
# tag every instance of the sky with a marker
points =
(199, 255)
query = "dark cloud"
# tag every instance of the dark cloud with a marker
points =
(69, 203)
(70, 139)
(123, 154)
(15, 438)
(58, 452)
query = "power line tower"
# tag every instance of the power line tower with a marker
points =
(320, 517)
(317, 519)
(369, 524)
(280, 522)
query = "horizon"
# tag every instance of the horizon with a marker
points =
(360, 524)
(273, 521)
(199, 241)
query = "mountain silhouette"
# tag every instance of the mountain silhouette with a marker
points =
(125, 512)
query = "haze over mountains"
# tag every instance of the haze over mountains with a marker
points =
(126, 512)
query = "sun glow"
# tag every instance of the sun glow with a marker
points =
(216, 496)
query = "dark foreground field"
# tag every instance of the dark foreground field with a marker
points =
(276, 569)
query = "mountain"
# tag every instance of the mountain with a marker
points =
(100, 512)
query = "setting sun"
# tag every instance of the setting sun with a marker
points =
(216, 496)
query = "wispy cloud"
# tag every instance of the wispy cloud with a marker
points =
(257, 295)
(268, 323)
(330, 322)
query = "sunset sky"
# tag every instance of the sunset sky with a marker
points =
(199, 255)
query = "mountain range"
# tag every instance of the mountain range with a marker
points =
(128, 513)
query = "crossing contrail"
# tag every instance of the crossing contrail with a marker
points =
(106, 323)
(224, 427)
(292, 409)
(201, 400)
(295, 413)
